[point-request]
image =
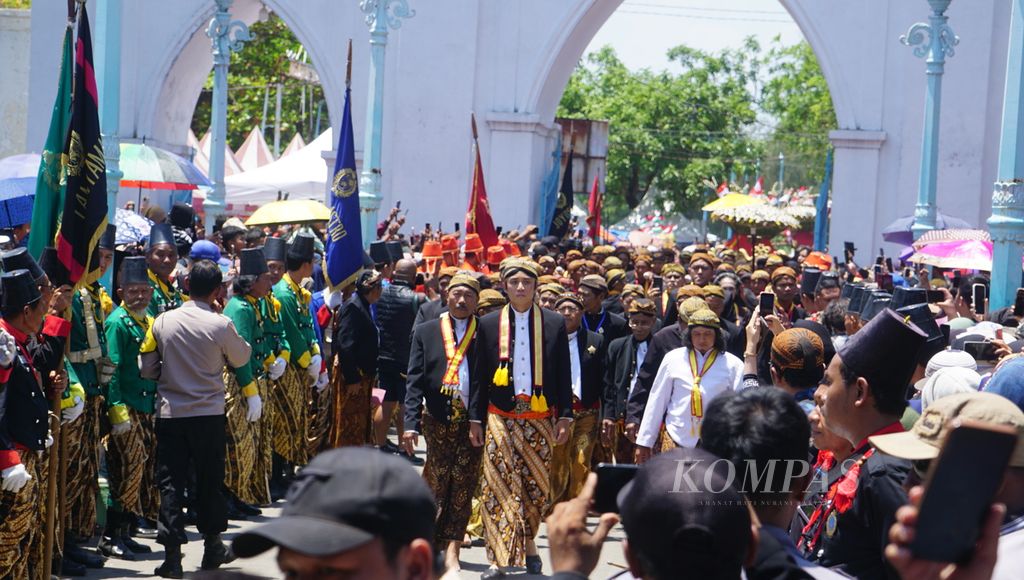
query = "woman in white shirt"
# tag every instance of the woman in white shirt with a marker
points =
(689, 378)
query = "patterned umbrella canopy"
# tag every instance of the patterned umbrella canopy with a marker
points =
(761, 218)
(149, 167)
(900, 232)
(16, 198)
(131, 227)
(954, 235)
(965, 254)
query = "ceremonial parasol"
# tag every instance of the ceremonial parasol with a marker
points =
(290, 211)
(16, 198)
(952, 236)
(760, 218)
(731, 200)
(131, 227)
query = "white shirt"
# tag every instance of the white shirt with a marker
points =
(669, 400)
(522, 357)
(641, 354)
(574, 365)
(460, 331)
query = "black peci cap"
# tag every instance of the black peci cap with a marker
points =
(161, 234)
(252, 262)
(809, 280)
(301, 247)
(885, 348)
(902, 297)
(857, 297)
(343, 499)
(875, 305)
(182, 216)
(133, 271)
(20, 259)
(274, 249)
(379, 252)
(19, 290)
(921, 316)
(847, 291)
(107, 239)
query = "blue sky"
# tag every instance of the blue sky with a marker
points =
(642, 31)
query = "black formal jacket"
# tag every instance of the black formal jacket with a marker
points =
(666, 340)
(613, 304)
(620, 364)
(592, 357)
(613, 326)
(557, 377)
(773, 562)
(427, 365)
(430, 311)
(355, 340)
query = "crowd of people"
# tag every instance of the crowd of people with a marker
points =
(223, 373)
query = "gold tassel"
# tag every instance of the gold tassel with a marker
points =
(535, 403)
(501, 376)
(543, 403)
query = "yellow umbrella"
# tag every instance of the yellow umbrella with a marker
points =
(290, 211)
(731, 200)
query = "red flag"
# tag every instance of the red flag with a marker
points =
(758, 187)
(478, 217)
(594, 206)
(723, 189)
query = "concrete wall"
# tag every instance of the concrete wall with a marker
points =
(15, 34)
(509, 62)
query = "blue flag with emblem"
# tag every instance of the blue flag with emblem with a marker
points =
(343, 255)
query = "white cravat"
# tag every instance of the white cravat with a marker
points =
(574, 364)
(522, 368)
(460, 331)
(641, 353)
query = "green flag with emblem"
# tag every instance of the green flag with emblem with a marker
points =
(49, 190)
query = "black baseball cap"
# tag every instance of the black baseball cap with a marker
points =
(682, 510)
(343, 499)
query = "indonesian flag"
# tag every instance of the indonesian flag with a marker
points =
(723, 189)
(478, 216)
(594, 206)
(758, 187)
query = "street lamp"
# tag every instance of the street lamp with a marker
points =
(226, 36)
(380, 16)
(934, 41)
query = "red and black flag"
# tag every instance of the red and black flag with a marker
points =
(84, 216)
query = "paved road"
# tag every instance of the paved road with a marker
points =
(474, 560)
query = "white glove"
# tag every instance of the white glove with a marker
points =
(314, 366)
(49, 439)
(121, 428)
(277, 369)
(71, 413)
(15, 478)
(8, 349)
(255, 405)
(322, 381)
(333, 299)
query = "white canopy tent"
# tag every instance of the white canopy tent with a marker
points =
(301, 175)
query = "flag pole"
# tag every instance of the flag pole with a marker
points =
(348, 66)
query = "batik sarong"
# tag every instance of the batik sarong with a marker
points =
(452, 471)
(351, 420)
(516, 488)
(290, 400)
(570, 462)
(83, 469)
(21, 523)
(131, 467)
(241, 436)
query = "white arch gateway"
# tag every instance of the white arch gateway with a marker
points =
(509, 61)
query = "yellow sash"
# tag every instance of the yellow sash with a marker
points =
(538, 402)
(454, 353)
(696, 405)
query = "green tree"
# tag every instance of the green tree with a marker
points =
(668, 131)
(796, 97)
(257, 68)
(15, 3)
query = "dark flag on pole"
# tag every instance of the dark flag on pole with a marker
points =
(343, 255)
(84, 216)
(563, 210)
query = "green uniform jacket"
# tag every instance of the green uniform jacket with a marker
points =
(297, 321)
(84, 355)
(164, 297)
(124, 339)
(244, 312)
(273, 329)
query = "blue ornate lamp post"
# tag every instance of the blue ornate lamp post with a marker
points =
(226, 36)
(1007, 222)
(380, 16)
(934, 41)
